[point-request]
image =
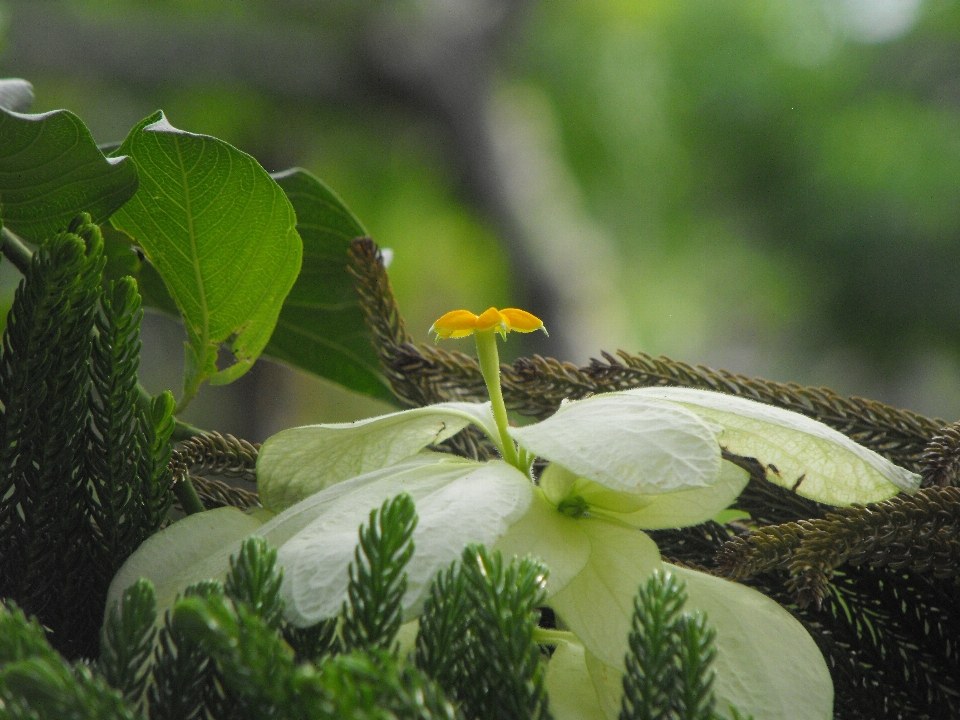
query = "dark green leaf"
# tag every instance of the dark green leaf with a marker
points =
(51, 169)
(321, 327)
(223, 237)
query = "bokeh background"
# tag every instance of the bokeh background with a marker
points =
(768, 186)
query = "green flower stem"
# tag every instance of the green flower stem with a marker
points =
(548, 636)
(15, 251)
(490, 367)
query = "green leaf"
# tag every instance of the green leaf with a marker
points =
(321, 327)
(597, 605)
(798, 452)
(627, 444)
(767, 664)
(51, 170)
(223, 237)
(123, 259)
(299, 462)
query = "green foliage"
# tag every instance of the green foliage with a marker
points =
(51, 169)
(83, 476)
(254, 581)
(476, 635)
(222, 235)
(668, 667)
(321, 326)
(36, 683)
(126, 642)
(373, 612)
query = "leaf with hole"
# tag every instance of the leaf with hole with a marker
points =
(223, 237)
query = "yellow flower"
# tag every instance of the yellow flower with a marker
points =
(460, 323)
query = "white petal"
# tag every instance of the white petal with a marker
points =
(691, 507)
(597, 605)
(830, 467)
(767, 664)
(570, 687)
(456, 504)
(628, 444)
(558, 541)
(177, 555)
(299, 462)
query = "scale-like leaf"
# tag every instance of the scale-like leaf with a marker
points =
(51, 170)
(223, 237)
(798, 452)
(322, 327)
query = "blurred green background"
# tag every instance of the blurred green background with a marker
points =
(767, 186)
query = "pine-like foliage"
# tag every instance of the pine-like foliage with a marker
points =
(83, 478)
(36, 683)
(477, 636)
(126, 642)
(44, 537)
(373, 612)
(887, 625)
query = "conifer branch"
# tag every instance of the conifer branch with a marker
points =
(423, 374)
(126, 642)
(373, 612)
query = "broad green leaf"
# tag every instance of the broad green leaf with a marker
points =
(51, 170)
(321, 327)
(174, 557)
(122, 260)
(556, 540)
(299, 462)
(627, 444)
(597, 605)
(223, 237)
(457, 503)
(569, 686)
(799, 452)
(767, 664)
(15, 94)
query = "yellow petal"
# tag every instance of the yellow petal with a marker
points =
(456, 323)
(521, 320)
(490, 318)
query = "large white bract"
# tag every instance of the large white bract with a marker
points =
(619, 463)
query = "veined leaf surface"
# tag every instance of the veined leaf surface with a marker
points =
(223, 237)
(321, 327)
(51, 170)
(798, 452)
(296, 463)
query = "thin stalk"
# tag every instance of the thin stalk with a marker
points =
(490, 368)
(187, 495)
(15, 251)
